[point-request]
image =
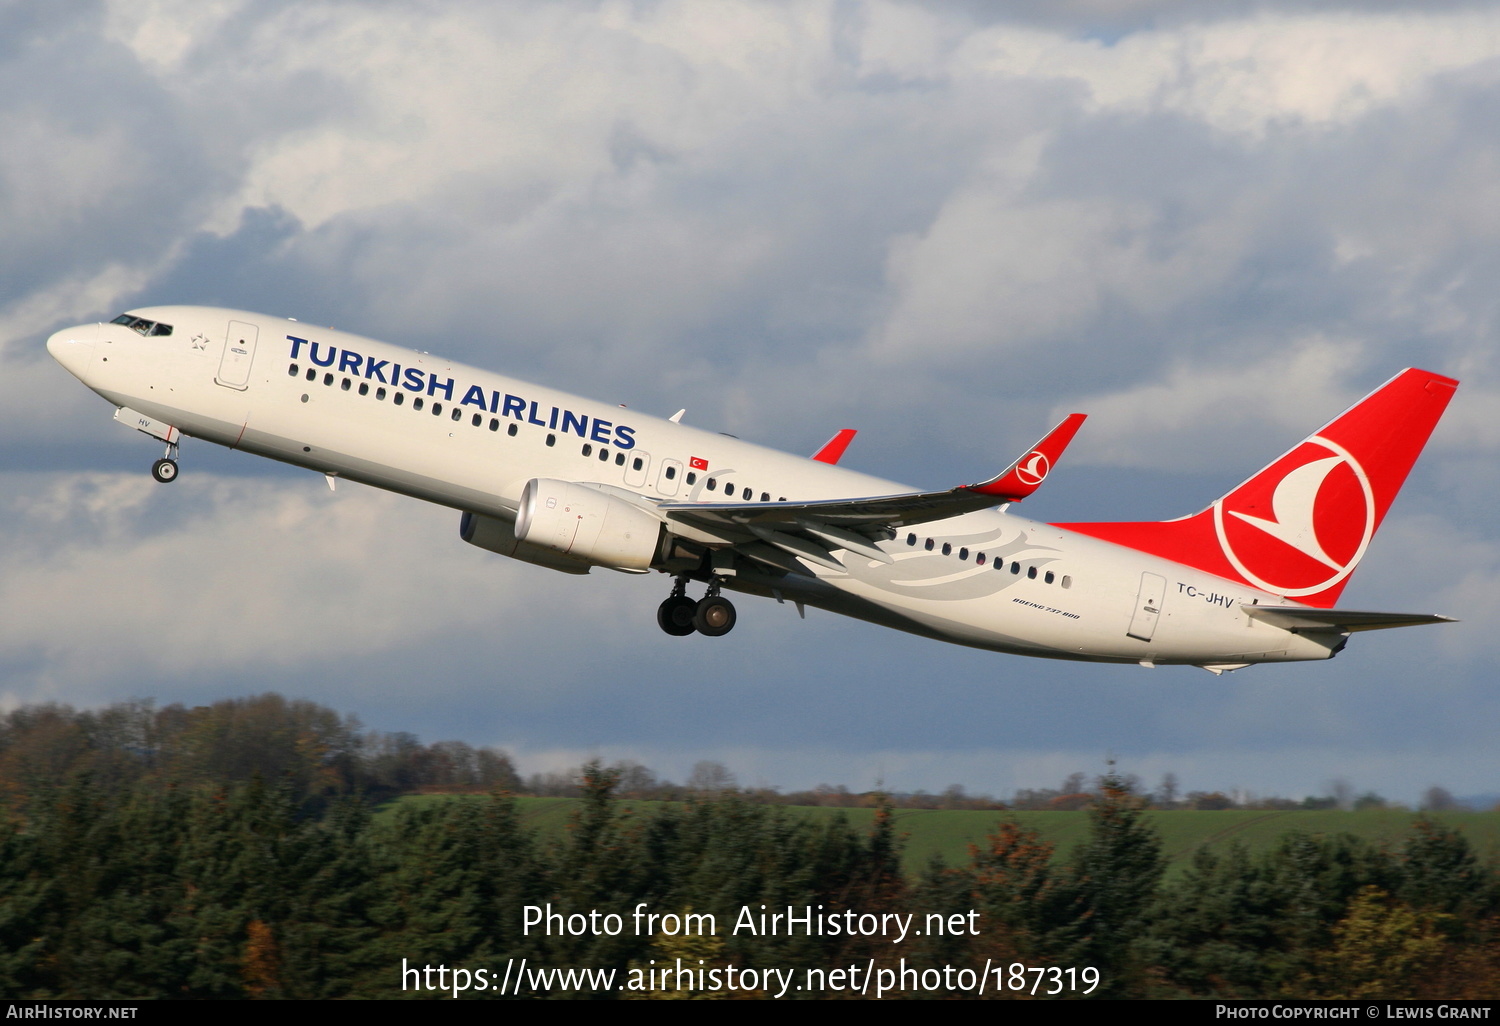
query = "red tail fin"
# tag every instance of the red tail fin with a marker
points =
(1299, 527)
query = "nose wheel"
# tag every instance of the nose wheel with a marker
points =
(164, 470)
(680, 616)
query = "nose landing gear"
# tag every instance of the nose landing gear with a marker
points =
(165, 469)
(712, 616)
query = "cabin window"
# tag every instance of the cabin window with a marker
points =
(327, 379)
(930, 544)
(364, 388)
(747, 494)
(782, 499)
(312, 375)
(638, 463)
(345, 384)
(494, 423)
(712, 485)
(620, 460)
(963, 554)
(1050, 577)
(400, 398)
(459, 415)
(692, 477)
(416, 403)
(979, 559)
(511, 430)
(551, 439)
(911, 539)
(380, 394)
(1031, 572)
(671, 473)
(729, 489)
(292, 370)
(947, 549)
(588, 450)
(1015, 568)
(1067, 581)
(603, 455)
(765, 496)
(437, 409)
(476, 421)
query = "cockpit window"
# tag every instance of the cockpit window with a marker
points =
(142, 325)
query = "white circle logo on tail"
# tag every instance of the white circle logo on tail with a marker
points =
(1301, 525)
(1032, 468)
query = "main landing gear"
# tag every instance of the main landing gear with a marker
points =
(680, 616)
(165, 469)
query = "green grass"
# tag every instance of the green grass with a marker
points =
(949, 833)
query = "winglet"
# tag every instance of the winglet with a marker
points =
(833, 449)
(1027, 473)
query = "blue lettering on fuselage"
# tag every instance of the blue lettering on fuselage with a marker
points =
(414, 380)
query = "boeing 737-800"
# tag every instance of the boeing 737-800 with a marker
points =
(572, 484)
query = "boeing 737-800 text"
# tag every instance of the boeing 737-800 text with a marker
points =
(572, 484)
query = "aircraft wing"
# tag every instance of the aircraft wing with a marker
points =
(1308, 619)
(812, 529)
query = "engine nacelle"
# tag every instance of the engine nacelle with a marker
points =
(498, 535)
(585, 523)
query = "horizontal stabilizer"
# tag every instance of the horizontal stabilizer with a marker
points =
(1303, 618)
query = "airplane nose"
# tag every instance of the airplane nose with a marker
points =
(74, 348)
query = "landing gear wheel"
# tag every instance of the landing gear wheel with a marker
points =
(714, 616)
(164, 470)
(675, 616)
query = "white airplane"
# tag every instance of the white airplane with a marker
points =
(571, 484)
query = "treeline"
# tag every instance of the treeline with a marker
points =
(321, 754)
(231, 851)
(165, 890)
(308, 748)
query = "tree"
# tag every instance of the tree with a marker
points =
(1115, 876)
(1438, 799)
(710, 776)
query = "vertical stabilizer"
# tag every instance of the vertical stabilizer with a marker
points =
(1300, 526)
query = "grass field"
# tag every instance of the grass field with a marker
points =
(949, 833)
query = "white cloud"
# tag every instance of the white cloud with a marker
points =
(1251, 75)
(104, 574)
(1198, 414)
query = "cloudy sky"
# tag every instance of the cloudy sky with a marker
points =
(1210, 225)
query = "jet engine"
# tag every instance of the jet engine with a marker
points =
(587, 524)
(499, 535)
